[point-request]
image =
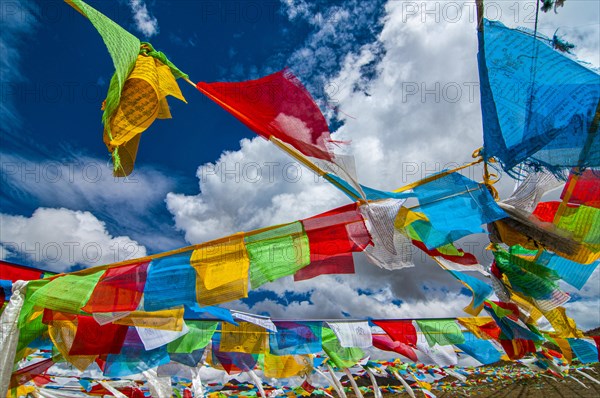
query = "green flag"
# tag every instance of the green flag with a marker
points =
(199, 335)
(441, 331)
(340, 356)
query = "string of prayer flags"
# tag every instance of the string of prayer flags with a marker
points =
(529, 112)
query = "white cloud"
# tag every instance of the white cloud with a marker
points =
(58, 239)
(80, 182)
(144, 21)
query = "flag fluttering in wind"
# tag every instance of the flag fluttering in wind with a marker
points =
(540, 108)
(136, 95)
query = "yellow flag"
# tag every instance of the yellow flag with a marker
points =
(286, 365)
(171, 319)
(222, 271)
(62, 334)
(247, 337)
(143, 99)
(473, 324)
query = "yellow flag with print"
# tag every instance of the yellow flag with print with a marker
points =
(143, 100)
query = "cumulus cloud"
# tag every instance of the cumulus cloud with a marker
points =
(58, 239)
(145, 22)
(85, 183)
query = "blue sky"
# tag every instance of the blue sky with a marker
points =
(61, 208)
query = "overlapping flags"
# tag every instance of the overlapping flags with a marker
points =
(137, 315)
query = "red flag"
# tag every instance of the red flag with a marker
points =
(586, 190)
(597, 341)
(464, 259)
(15, 272)
(276, 105)
(94, 339)
(119, 289)
(332, 237)
(517, 348)
(384, 342)
(402, 331)
(27, 373)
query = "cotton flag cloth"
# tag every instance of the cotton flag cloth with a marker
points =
(481, 291)
(277, 252)
(136, 94)
(94, 339)
(163, 275)
(143, 100)
(119, 289)
(198, 336)
(286, 365)
(342, 357)
(537, 104)
(482, 327)
(402, 331)
(222, 271)
(586, 190)
(294, 338)
(385, 342)
(443, 356)
(584, 350)
(262, 321)
(275, 105)
(155, 338)
(455, 206)
(352, 334)
(332, 237)
(390, 249)
(247, 338)
(482, 350)
(441, 331)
